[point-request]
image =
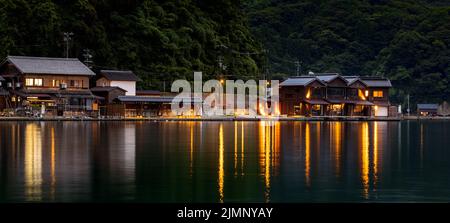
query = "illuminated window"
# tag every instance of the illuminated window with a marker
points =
(29, 81)
(56, 83)
(37, 82)
(33, 81)
(377, 94)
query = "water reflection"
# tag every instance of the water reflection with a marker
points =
(33, 162)
(370, 155)
(365, 158)
(191, 148)
(222, 161)
(307, 155)
(376, 141)
(336, 145)
(242, 148)
(269, 149)
(52, 164)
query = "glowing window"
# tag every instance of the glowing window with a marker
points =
(377, 94)
(33, 82)
(56, 83)
(37, 82)
(29, 81)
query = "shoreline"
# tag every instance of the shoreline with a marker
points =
(226, 118)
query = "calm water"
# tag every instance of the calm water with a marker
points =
(224, 161)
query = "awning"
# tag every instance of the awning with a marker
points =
(316, 101)
(149, 99)
(337, 101)
(75, 96)
(381, 103)
(39, 95)
(360, 102)
(26, 94)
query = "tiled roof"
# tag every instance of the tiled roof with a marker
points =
(107, 88)
(46, 65)
(165, 99)
(327, 77)
(119, 75)
(299, 81)
(428, 106)
(378, 83)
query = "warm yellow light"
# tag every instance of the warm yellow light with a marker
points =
(376, 107)
(366, 93)
(222, 81)
(277, 110)
(308, 94)
(221, 166)
(361, 95)
(261, 110)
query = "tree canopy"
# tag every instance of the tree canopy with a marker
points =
(160, 40)
(405, 40)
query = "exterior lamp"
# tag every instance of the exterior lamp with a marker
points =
(222, 81)
(366, 93)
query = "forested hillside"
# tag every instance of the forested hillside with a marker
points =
(159, 40)
(405, 40)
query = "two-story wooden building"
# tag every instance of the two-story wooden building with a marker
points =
(334, 95)
(54, 85)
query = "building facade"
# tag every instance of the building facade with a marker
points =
(55, 86)
(118, 78)
(335, 95)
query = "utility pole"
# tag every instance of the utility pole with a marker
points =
(87, 57)
(297, 66)
(67, 39)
